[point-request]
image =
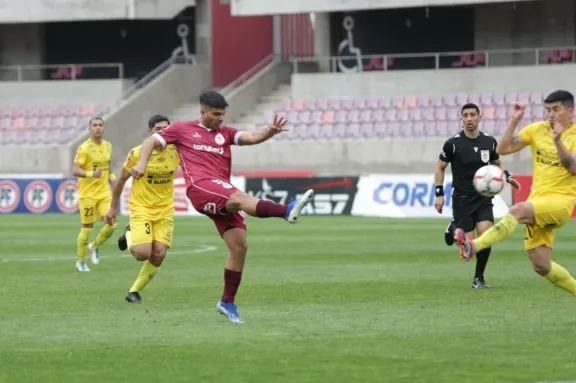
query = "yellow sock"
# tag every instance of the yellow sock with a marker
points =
(147, 272)
(103, 235)
(560, 277)
(128, 236)
(496, 233)
(82, 242)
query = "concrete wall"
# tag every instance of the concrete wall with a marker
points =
(60, 92)
(378, 84)
(125, 127)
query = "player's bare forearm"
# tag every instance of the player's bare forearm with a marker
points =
(566, 158)
(148, 146)
(77, 171)
(509, 143)
(440, 172)
(255, 137)
(118, 187)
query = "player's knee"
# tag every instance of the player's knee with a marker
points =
(541, 268)
(236, 201)
(239, 247)
(141, 255)
(159, 253)
(523, 212)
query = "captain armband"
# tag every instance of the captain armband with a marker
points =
(439, 191)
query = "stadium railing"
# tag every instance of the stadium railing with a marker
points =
(437, 60)
(62, 72)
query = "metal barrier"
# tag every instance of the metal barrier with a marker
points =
(439, 60)
(62, 72)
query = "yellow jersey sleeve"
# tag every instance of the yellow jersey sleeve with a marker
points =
(132, 158)
(80, 157)
(527, 133)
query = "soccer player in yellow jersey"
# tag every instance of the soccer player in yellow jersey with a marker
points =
(149, 234)
(551, 200)
(92, 167)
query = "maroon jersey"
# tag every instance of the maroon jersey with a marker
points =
(204, 154)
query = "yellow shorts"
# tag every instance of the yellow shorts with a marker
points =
(92, 209)
(551, 212)
(146, 229)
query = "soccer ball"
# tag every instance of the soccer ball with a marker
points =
(489, 180)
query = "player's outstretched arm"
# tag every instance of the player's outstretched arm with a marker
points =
(509, 143)
(567, 159)
(148, 146)
(259, 136)
(509, 177)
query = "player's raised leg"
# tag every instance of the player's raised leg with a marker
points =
(522, 212)
(240, 201)
(105, 232)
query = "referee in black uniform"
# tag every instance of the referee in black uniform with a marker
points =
(468, 151)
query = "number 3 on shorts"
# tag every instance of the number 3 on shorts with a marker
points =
(225, 185)
(147, 226)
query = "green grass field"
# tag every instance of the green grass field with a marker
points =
(328, 300)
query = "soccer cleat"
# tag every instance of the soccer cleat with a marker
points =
(94, 254)
(81, 266)
(122, 243)
(449, 233)
(133, 297)
(295, 207)
(230, 310)
(480, 283)
(465, 245)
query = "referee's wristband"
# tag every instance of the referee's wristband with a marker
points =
(89, 174)
(439, 191)
(507, 174)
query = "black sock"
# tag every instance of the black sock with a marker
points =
(481, 261)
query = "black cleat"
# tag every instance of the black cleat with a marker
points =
(133, 297)
(449, 233)
(122, 244)
(480, 283)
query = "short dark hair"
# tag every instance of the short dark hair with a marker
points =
(156, 119)
(470, 106)
(213, 99)
(95, 119)
(562, 96)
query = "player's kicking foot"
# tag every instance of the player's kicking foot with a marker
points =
(81, 266)
(480, 283)
(449, 233)
(295, 207)
(122, 243)
(133, 297)
(465, 245)
(94, 254)
(230, 310)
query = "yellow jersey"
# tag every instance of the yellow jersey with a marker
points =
(154, 192)
(91, 157)
(549, 177)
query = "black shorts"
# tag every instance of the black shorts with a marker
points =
(468, 211)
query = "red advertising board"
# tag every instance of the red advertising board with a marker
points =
(526, 183)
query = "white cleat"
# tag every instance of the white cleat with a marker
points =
(81, 266)
(94, 254)
(295, 207)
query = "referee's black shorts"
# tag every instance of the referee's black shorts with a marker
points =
(469, 210)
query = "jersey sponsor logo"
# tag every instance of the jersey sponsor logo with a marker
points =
(67, 197)
(209, 149)
(210, 208)
(38, 196)
(417, 194)
(485, 155)
(220, 140)
(9, 196)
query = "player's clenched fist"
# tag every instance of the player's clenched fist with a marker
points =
(97, 173)
(557, 130)
(138, 171)
(111, 217)
(518, 112)
(439, 204)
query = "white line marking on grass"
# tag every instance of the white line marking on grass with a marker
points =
(199, 249)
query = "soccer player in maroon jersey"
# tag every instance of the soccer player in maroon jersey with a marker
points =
(206, 159)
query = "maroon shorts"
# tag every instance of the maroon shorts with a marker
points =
(209, 197)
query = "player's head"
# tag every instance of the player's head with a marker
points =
(471, 117)
(559, 107)
(157, 123)
(96, 127)
(212, 109)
